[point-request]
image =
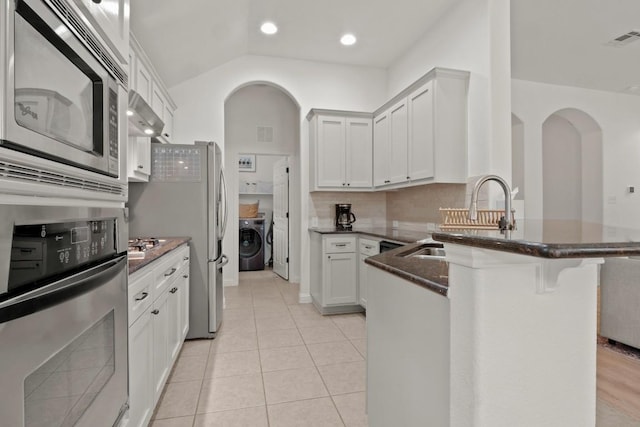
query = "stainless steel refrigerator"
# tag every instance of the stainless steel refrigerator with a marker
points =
(186, 196)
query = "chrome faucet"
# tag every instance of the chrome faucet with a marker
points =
(507, 224)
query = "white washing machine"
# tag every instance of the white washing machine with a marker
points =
(252, 244)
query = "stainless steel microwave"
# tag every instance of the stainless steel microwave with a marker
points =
(61, 91)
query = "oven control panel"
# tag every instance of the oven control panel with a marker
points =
(40, 251)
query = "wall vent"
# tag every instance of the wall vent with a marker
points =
(19, 173)
(624, 39)
(265, 134)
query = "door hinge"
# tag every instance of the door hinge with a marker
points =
(287, 260)
(287, 170)
(287, 214)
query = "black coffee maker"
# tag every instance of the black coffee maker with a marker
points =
(344, 216)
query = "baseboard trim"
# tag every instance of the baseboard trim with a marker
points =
(304, 298)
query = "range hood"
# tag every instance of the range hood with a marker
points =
(143, 121)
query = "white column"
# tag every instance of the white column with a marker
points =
(523, 339)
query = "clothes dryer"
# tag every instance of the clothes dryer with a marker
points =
(252, 244)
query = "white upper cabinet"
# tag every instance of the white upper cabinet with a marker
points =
(149, 85)
(111, 19)
(359, 160)
(341, 150)
(420, 136)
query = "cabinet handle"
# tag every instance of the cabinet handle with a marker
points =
(343, 184)
(408, 177)
(144, 295)
(329, 256)
(174, 290)
(140, 167)
(166, 134)
(340, 245)
(156, 311)
(348, 184)
(185, 258)
(387, 181)
(173, 270)
(186, 276)
(97, 1)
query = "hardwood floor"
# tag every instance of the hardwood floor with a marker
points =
(618, 381)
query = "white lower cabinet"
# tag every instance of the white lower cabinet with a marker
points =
(367, 248)
(158, 324)
(334, 273)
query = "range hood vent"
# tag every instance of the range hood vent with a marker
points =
(143, 121)
(625, 39)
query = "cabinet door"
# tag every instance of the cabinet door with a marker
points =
(140, 371)
(398, 132)
(111, 20)
(143, 81)
(359, 171)
(381, 150)
(184, 303)
(421, 133)
(339, 279)
(160, 357)
(175, 329)
(363, 283)
(167, 117)
(331, 152)
(139, 160)
(157, 100)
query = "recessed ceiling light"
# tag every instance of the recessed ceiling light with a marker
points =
(348, 39)
(148, 131)
(269, 28)
(129, 113)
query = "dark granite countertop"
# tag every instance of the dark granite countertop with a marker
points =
(403, 236)
(432, 274)
(167, 244)
(551, 239)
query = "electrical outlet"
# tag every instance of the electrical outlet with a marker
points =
(631, 189)
(394, 224)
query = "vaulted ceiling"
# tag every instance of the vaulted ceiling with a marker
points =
(562, 42)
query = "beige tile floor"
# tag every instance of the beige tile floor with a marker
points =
(279, 363)
(275, 363)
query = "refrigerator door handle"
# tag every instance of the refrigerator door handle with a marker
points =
(223, 260)
(226, 207)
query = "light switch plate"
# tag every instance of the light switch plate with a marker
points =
(394, 224)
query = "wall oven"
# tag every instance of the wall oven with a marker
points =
(62, 94)
(63, 316)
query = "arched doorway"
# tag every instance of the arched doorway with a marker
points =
(262, 124)
(572, 167)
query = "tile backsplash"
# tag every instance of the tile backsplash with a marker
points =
(414, 208)
(370, 209)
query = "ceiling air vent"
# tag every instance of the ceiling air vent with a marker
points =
(624, 39)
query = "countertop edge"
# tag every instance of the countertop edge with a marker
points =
(154, 254)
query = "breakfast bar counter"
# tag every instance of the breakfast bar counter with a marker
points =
(511, 338)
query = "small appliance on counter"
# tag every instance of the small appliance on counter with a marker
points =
(344, 217)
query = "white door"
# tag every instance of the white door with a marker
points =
(280, 248)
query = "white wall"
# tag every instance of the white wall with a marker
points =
(200, 115)
(561, 170)
(472, 36)
(618, 117)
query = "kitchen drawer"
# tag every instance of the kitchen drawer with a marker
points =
(334, 245)
(184, 254)
(369, 247)
(140, 294)
(166, 272)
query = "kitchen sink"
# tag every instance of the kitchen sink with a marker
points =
(425, 250)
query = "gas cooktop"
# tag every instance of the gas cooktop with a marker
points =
(136, 247)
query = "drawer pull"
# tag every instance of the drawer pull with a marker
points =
(173, 270)
(186, 276)
(340, 245)
(185, 258)
(156, 311)
(173, 290)
(144, 295)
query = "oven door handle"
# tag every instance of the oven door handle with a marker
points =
(62, 290)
